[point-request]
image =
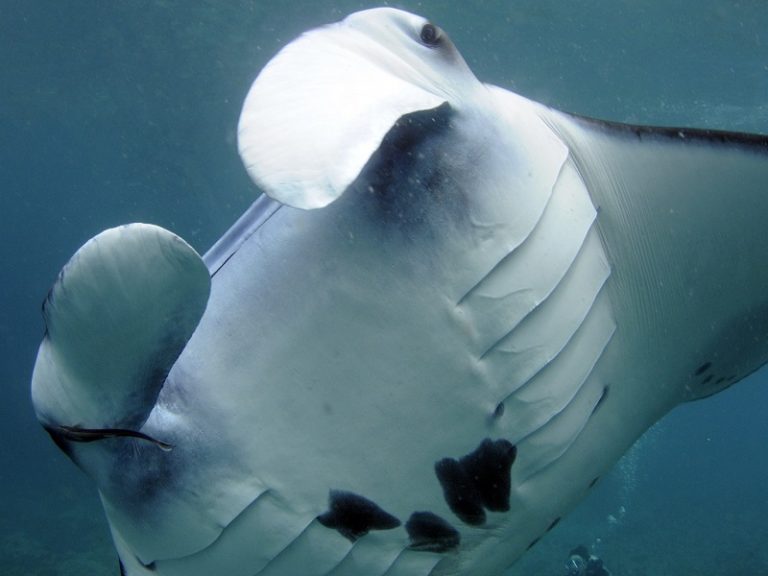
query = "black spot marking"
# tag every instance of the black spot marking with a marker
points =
(431, 533)
(594, 481)
(459, 492)
(720, 380)
(554, 523)
(532, 544)
(708, 379)
(481, 479)
(499, 411)
(354, 516)
(703, 368)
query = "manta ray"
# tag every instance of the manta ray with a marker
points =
(450, 312)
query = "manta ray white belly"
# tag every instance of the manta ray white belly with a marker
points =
(422, 351)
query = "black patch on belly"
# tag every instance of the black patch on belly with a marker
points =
(481, 479)
(354, 516)
(431, 533)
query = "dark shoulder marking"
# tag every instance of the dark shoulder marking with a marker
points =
(406, 184)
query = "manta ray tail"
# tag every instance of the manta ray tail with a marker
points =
(117, 318)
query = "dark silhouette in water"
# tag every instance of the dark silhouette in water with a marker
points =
(582, 563)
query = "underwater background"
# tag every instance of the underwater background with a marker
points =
(113, 112)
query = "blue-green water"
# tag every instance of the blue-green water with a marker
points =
(113, 112)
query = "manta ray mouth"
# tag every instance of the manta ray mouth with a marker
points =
(62, 433)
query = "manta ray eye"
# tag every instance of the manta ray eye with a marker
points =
(430, 35)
